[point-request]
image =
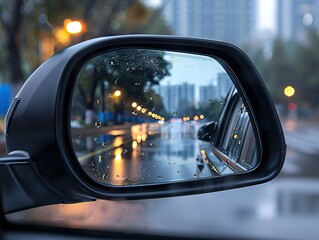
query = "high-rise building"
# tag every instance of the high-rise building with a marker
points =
(176, 96)
(294, 17)
(207, 94)
(228, 20)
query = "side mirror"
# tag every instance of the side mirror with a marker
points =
(206, 131)
(121, 118)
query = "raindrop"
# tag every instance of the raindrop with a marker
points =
(112, 63)
(125, 151)
(210, 100)
(221, 103)
(133, 68)
(97, 124)
(97, 101)
(115, 82)
(105, 177)
(175, 113)
(195, 175)
(151, 144)
(100, 158)
(128, 69)
(117, 176)
(151, 98)
(95, 139)
(177, 171)
(103, 144)
(159, 177)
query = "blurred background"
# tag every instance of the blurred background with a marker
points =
(280, 36)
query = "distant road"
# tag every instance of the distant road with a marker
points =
(302, 136)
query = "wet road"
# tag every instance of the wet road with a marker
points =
(146, 154)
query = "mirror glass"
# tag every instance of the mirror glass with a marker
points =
(143, 116)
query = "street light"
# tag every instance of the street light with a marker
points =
(73, 27)
(134, 104)
(117, 93)
(289, 91)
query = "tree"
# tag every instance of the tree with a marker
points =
(307, 62)
(131, 71)
(26, 22)
(11, 22)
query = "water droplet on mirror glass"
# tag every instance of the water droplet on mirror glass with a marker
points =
(175, 113)
(97, 124)
(159, 177)
(117, 176)
(195, 175)
(112, 63)
(151, 98)
(97, 101)
(221, 103)
(210, 100)
(103, 144)
(100, 158)
(105, 177)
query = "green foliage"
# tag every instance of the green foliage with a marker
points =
(211, 111)
(131, 71)
(294, 64)
(42, 19)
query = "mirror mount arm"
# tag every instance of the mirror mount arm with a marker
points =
(20, 187)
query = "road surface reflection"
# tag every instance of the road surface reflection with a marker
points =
(145, 154)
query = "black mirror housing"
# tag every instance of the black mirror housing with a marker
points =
(38, 134)
(206, 131)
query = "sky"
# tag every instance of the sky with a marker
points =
(266, 15)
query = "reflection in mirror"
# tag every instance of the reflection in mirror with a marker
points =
(148, 117)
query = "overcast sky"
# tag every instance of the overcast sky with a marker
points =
(266, 15)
